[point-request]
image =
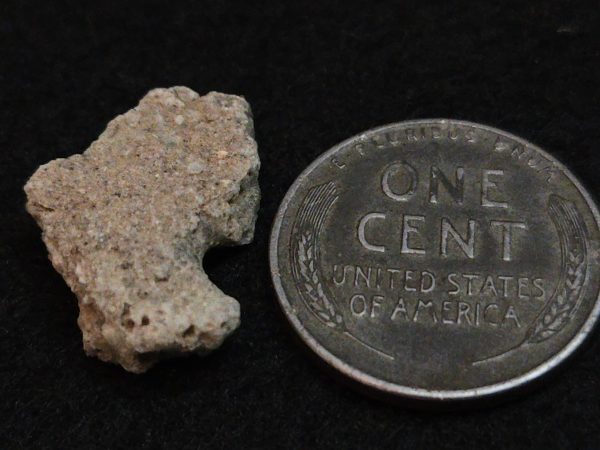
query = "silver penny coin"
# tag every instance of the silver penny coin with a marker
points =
(438, 259)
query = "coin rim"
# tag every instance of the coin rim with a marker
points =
(399, 389)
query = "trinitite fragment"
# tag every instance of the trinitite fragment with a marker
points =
(127, 223)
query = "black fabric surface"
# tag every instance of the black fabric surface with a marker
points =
(315, 73)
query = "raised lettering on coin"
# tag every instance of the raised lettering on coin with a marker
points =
(447, 260)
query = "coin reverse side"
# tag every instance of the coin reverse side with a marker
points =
(438, 259)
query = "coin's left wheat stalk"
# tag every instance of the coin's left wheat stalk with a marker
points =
(305, 253)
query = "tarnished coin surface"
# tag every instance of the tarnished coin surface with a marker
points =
(438, 259)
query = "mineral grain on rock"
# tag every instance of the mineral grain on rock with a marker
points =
(127, 223)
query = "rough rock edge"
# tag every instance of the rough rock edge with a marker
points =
(131, 355)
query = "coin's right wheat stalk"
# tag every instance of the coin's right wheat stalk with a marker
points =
(568, 294)
(305, 252)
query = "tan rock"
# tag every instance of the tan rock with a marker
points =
(127, 223)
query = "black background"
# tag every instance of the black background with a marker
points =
(315, 73)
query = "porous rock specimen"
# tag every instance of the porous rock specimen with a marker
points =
(127, 223)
